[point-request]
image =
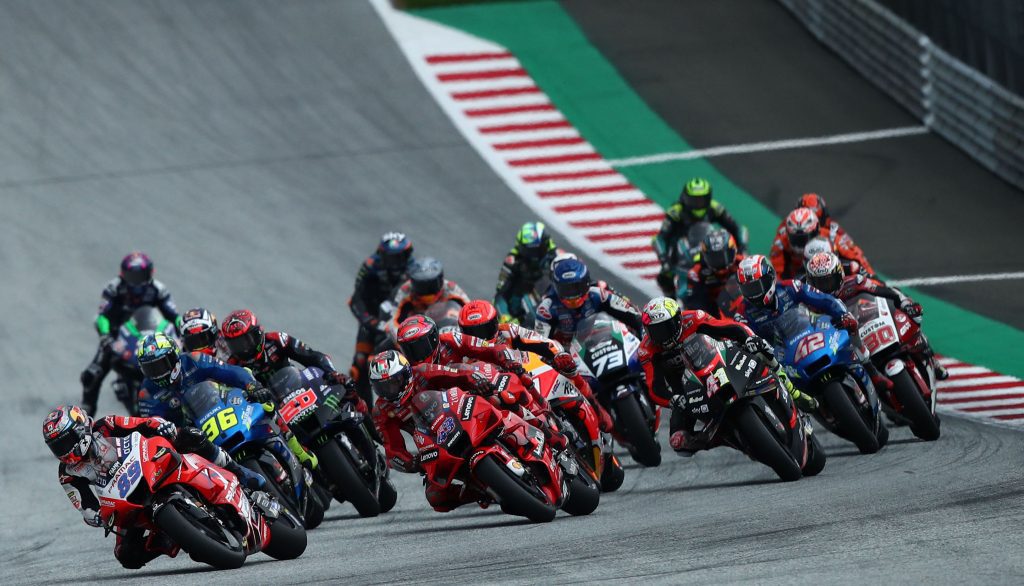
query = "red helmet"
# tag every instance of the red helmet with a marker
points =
(136, 269)
(801, 226)
(479, 318)
(418, 337)
(756, 277)
(815, 203)
(67, 431)
(243, 335)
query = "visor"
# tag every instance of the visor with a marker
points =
(572, 291)
(390, 389)
(419, 349)
(799, 240)
(718, 259)
(199, 339)
(756, 291)
(664, 333)
(247, 346)
(827, 284)
(425, 288)
(696, 203)
(484, 331)
(137, 278)
(65, 444)
(395, 262)
(159, 368)
(531, 252)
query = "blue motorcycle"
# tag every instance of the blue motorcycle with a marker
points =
(821, 361)
(244, 431)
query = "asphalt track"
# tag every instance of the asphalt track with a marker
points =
(744, 71)
(256, 151)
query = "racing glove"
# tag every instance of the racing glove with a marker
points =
(565, 364)
(92, 518)
(165, 429)
(911, 308)
(257, 393)
(482, 384)
(758, 345)
(849, 323)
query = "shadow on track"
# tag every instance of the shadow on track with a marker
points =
(706, 486)
(510, 522)
(196, 569)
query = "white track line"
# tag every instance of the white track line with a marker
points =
(774, 145)
(924, 281)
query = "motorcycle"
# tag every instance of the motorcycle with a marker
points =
(609, 350)
(735, 398)
(688, 253)
(144, 321)
(201, 507)
(820, 360)
(244, 431)
(352, 466)
(891, 336)
(578, 421)
(462, 437)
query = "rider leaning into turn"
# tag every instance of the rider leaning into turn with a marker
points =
(719, 257)
(666, 328)
(86, 450)
(825, 272)
(695, 205)
(526, 264)
(425, 287)
(378, 278)
(133, 288)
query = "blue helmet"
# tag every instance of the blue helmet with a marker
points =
(158, 359)
(571, 280)
(394, 251)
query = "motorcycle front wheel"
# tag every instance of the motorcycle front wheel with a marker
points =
(512, 496)
(205, 540)
(763, 445)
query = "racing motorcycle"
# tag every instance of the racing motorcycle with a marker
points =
(352, 466)
(820, 360)
(688, 253)
(735, 398)
(144, 321)
(578, 421)
(891, 336)
(201, 507)
(463, 438)
(244, 431)
(609, 350)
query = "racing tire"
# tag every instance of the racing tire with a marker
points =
(612, 475)
(287, 538)
(274, 490)
(763, 445)
(196, 539)
(512, 496)
(338, 469)
(584, 496)
(314, 513)
(815, 457)
(387, 496)
(847, 418)
(645, 447)
(923, 423)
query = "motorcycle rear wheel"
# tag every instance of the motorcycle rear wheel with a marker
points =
(923, 423)
(287, 501)
(847, 418)
(763, 444)
(196, 539)
(338, 468)
(646, 449)
(514, 499)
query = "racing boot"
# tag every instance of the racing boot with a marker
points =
(878, 379)
(682, 442)
(160, 542)
(308, 459)
(249, 479)
(803, 401)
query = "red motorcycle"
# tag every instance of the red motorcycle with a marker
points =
(463, 438)
(893, 339)
(201, 507)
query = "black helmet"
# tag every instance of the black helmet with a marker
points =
(427, 276)
(718, 250)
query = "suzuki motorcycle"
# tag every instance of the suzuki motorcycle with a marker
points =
(244, 431)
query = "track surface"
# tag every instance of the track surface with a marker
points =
(743, 71)
(256, 151)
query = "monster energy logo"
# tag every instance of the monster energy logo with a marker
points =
(332, 401)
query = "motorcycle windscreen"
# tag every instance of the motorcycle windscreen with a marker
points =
(747, 375)
(699, 351)
(202, 399)
(285, 381)
(445, 313)
(594, 329)
(793, 324)
(147, 318)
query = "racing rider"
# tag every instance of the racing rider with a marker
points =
(525, 265)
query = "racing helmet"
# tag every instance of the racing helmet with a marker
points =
(418, 338)
(571, 280)
(662, 319)
(243, 335)
(67, 431)
(158, 359)
(825, 272)
(199, 331)
(756, 277)
(479, 318)
(390, 375)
